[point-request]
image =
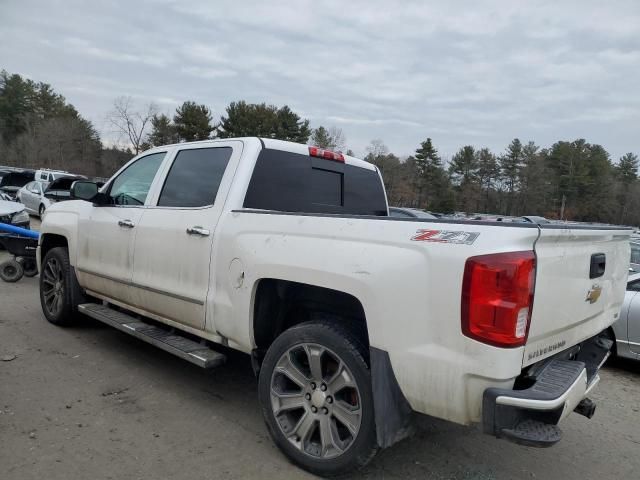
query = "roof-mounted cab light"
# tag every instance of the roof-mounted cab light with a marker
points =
(326, 154)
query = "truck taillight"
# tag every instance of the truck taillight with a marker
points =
(497, 298)
(326, 154)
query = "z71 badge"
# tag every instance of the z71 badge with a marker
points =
(445, 236)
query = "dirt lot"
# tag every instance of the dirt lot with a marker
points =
(90, 402)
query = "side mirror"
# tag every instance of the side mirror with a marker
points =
(83, 190)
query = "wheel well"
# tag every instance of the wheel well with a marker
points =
(280, 304)
(50, 241)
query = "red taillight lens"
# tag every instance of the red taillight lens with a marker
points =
(497, 298)
(326, 154)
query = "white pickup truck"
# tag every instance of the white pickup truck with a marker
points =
(354, 320)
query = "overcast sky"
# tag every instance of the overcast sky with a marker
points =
(461, 72)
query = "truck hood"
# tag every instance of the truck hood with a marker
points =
(9, 208)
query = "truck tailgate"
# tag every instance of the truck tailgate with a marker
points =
(568, 305)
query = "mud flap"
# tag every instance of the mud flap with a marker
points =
(393, 414)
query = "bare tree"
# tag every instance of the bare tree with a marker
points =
(338, 139)
(376, 149)
(131, 123)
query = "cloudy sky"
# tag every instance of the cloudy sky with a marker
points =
(461, 72)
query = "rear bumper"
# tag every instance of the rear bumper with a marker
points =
(554, 388)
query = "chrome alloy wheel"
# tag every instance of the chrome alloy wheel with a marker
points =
(53, 286)
(316, 401)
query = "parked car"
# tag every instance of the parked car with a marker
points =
(48, 176)
(32, 196)
(634, 263)
(11, 182)
(353, 319)
(59, 190)
(3, 172)
(403, 212)
(13, 213)
(6, 197)
(535, 219)
(627, 328)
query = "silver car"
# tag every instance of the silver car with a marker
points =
(634, 265)
(627, 328)
(32, 196)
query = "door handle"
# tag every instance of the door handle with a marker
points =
(203, 232)
(125, 223)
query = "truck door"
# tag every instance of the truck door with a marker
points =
(172, 253)
(106, 233)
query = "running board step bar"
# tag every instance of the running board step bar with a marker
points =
(170, 341)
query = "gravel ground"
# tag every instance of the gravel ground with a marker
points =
(91, 402)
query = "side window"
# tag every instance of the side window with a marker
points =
(633, 286)
(635, 253)
(194, 177)
(132, 186)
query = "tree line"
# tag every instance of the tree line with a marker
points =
(573, 180)
(570, 180)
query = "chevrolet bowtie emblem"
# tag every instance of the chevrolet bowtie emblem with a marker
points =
(594, 294)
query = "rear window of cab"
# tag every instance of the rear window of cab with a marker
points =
(292, 182)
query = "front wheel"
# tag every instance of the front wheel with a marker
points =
(60, 293)
(315, 393)
(41, 211)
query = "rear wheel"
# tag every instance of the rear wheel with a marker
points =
(315, 392)
(60, 293)
(11, 271)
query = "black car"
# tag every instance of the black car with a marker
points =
(60, 189)
(12, 181)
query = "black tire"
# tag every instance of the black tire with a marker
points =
(11, 271)
(41, 211)
(57, 273)
(335, 340)
(30, 267)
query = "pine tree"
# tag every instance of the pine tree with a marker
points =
(427, 158)
(464, 166)
(534, 182)
(261, 120)
(463, 170)
(431, 182)
(192, 122)
(627, 168)
(488, 173)
(510, 165)
(163, 132)
(320, 137)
